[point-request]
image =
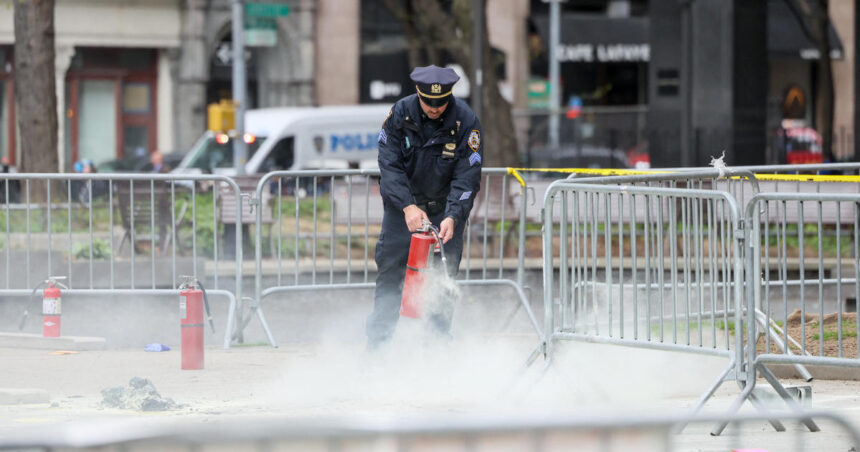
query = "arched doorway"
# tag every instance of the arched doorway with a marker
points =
(220, 84)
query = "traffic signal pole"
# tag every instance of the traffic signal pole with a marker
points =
(240, 149)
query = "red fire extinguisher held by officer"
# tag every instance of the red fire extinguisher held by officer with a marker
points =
(51, 306)
(412, 303)
(192, 301)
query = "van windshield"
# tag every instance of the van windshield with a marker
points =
(214, 153)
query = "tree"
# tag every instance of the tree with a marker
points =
(432, 28)
(815, 21)
(35, 85)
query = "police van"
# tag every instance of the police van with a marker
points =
(294, 138)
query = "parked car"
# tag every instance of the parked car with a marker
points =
(582, 156)
(138, 164)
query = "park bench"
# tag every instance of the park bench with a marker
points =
(230, 217)
(146, 213)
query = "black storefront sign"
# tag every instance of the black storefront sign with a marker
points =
(384, 77)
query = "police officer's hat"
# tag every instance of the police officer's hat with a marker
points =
(434, 84)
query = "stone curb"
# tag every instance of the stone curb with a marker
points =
(9, 396)
(35, 341)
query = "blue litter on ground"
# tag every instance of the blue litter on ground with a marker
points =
(156, 348)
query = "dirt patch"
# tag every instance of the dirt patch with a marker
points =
(795, 327)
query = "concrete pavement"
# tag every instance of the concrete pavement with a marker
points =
(317, 382)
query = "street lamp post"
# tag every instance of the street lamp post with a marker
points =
(554, 94)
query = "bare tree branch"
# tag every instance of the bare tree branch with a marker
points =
(452, 32)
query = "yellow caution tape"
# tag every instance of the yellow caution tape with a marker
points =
(625, 172)
(513, 172)
(598, 171)
(807, 177)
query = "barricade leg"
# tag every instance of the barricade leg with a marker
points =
(774, 382)
(747, 394)
(801, 369)
(253, 309)
(777, 425)
(709, 393)
(736, 405)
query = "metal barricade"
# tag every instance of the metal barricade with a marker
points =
(647, 267)
(479, 432)
(802, 258)
(324, 226)
(116, 234)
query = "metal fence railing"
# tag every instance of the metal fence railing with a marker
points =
(317, 230)
(790, 251)
(648, 267)
(607, 432)
(665, 261)
(801, 266)
(117, 234)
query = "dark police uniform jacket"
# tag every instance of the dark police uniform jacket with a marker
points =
(434, 170)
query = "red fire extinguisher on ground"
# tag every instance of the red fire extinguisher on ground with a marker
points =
(51, 306)
(192, 301)
(412, 302)
(51, 309)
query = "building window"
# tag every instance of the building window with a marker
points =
(135, 98)
(112, 103)
(97, 121)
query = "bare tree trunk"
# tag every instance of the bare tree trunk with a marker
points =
(404, 14)
(452, 32)
(35, 85)
(497, 120)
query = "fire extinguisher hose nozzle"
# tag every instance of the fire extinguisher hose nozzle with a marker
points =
(27, 309)
(435, 231)
(206, 306)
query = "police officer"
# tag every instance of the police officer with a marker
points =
(430, 157)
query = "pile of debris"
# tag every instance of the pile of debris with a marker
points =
(140, 395)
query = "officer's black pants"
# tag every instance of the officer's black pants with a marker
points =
(392, 252)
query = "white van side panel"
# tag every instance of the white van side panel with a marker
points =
(324, 137)
(351, 141)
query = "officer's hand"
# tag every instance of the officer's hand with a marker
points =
(415, 217)
(446, 229)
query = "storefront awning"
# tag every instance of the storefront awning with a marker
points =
(786, 39)
(598, 39)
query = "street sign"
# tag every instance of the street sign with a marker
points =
(224, 54)
(261, 37)
(266, 10)
(261, 27)
(537, 91)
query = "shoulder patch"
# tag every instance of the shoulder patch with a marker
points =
(383, 138)
(474, 140)
(465, 195)
(390, 110)
(474, 158)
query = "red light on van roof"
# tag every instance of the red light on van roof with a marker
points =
(249, 138)
(222, 138)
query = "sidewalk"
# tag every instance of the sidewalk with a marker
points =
(249, 385)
